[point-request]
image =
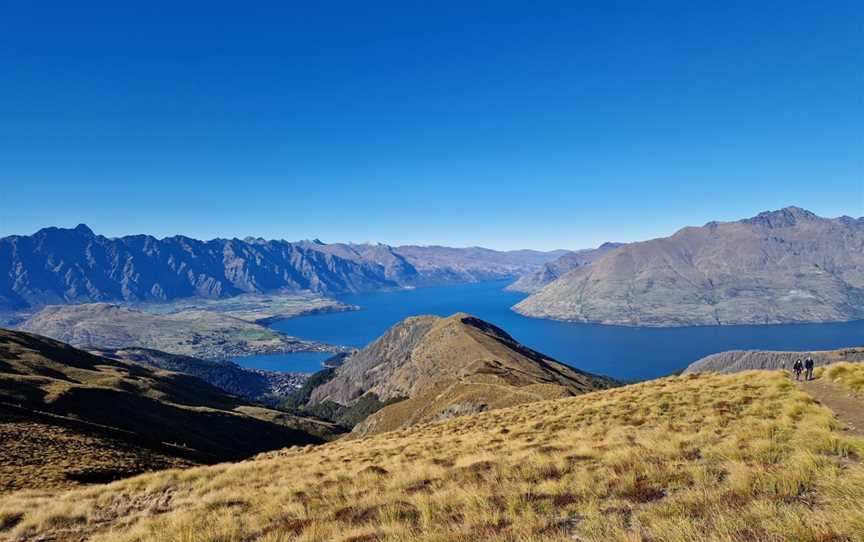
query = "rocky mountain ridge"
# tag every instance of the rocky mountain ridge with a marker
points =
(778, 267)
(56, 266)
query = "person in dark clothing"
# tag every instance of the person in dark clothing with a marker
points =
(797, 367)
(808, 366)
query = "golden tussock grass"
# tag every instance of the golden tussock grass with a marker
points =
(701, 457)
(847, 375)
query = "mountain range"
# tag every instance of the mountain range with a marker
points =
(778, 267)
(56, 266)
(552, 271)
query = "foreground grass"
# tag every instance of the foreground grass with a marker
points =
(702, 457)
(847, 375)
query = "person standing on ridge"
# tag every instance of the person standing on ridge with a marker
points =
(808, 365)
(796, 368)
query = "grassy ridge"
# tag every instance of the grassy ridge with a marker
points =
(699, 457)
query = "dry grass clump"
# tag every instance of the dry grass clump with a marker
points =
(702, 457)
(848, 375)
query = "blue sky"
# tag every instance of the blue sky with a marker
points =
(501, 124)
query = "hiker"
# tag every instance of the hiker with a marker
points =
(797, 368)
(808, 365)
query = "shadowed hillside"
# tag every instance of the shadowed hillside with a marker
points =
(92, 409)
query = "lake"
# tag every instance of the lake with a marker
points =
(620, 352)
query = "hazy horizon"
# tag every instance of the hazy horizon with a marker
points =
(376, 241)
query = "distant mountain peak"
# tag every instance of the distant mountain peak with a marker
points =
(610, 245)
(84, 229)
(782, 218)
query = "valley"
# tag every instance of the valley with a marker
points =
(70, 417)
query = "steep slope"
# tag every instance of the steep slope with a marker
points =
(736, 458)
(555, 269)
(781, 266)
(48, 384)
(735, 361)
(56, 265)
(446, 367)
(198, 333)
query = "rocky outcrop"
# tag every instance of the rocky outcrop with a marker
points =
(443, 367)
(779, 267)
(735, 361)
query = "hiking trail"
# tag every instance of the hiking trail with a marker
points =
(847, 408)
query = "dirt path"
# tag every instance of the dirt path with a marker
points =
(847, 408)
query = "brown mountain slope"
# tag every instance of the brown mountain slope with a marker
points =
(782, 266)
(733, 458)
(447, 367)
(104, 418)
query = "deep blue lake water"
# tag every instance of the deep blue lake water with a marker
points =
(620, 352)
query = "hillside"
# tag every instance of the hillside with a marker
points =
(551, 271)
(778, 267)
(65, 404)
(735, 361)
(57, 265)
(197, 333)
(735, 458)
(445, 367)
(267, 387)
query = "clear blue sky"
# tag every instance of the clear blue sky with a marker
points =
(502, 124)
